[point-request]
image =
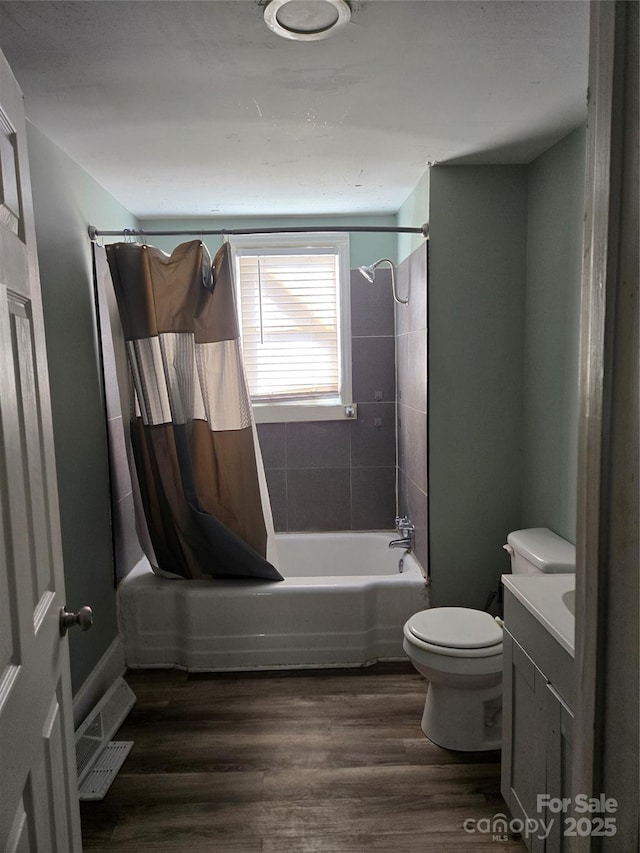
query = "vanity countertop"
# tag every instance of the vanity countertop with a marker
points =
(550, 599)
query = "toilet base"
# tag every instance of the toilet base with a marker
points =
(463, 720)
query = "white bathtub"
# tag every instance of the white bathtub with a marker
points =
(343, 603)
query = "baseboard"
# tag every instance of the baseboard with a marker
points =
(109, 668)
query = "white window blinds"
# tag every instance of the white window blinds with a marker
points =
(290, 317)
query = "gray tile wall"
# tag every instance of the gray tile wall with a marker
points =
(411, 325)
(340, 475)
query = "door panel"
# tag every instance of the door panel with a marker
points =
(10, 215)
(38, 789)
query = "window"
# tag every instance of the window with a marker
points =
(293, 305)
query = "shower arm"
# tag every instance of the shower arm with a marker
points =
(369, 272)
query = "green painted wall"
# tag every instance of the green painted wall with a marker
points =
(476, 301)
(503, 310)
(413, 213)
(66, 200)
(365, 248)
(552, 314)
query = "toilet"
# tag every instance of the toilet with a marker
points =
(459, 651)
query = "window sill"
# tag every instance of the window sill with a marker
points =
(278, 413)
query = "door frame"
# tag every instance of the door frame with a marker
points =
(607, 505)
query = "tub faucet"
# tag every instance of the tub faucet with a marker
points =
(406, 529)
(406, 543)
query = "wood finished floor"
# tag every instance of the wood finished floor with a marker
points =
(324, 761)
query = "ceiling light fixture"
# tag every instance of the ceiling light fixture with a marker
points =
(306, 20)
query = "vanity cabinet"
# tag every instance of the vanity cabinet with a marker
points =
(537, 724)
(559, 739)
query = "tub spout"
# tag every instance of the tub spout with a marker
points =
(406, 543)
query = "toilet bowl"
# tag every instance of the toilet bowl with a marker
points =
(459, 651)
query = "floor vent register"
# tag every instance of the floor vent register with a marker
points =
(98, 758)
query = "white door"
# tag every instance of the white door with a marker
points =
(39, 809)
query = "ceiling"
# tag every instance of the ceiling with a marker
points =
(198, 109)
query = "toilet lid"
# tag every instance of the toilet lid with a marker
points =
(456, 627)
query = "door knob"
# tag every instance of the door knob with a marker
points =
(83, 618)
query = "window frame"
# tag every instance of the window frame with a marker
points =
(342, 406)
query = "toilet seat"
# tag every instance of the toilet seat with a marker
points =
(455, 632)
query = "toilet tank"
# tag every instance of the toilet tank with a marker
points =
(538, 550)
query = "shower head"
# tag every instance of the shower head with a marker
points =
(369, 272)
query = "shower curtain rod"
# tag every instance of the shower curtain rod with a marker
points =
(94, 232)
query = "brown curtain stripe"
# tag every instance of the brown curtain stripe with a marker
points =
(192, 433)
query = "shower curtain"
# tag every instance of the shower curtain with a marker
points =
(191, 426)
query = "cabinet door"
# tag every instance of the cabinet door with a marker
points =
(559, 739)
(524, 733)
